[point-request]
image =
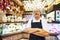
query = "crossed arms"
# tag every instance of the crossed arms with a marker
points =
(37, 31)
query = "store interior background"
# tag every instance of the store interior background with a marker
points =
(14, 15)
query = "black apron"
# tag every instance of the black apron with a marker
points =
(36, 25)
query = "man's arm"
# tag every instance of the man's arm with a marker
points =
(37, 31)
(45, 25)
(28, 28)
(42, 33)
(31, 30)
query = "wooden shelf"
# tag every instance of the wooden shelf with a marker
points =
(28, 11)
(13, 33)
(27, 14)
(13, 22)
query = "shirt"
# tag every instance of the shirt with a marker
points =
(44, 24)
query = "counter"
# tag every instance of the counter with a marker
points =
(19, 35)
(14, 36)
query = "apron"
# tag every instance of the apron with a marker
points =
(36, 25)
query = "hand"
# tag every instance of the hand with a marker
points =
(32, 30)
(41, 32)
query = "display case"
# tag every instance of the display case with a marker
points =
(12, 30)
(56, 8)
(54, 14)
(54, 28)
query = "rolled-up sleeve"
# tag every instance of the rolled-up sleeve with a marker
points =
(28, 25)
(45, 25)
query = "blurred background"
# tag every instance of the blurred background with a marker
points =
(14, 15)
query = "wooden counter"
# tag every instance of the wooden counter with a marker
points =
(18, 35)
(14, 36)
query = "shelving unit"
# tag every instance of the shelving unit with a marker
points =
(13, 22)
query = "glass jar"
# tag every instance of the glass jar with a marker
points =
(12, 20)
(8, 19)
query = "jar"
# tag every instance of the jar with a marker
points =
(4, 19)
(12, 20)
(8, 18)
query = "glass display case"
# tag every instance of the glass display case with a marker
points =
(54, 28)
(12, 30)
(11, 27)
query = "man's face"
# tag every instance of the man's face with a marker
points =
(37, 13)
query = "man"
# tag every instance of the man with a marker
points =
(37, 27)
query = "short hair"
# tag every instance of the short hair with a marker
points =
(37, 9)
